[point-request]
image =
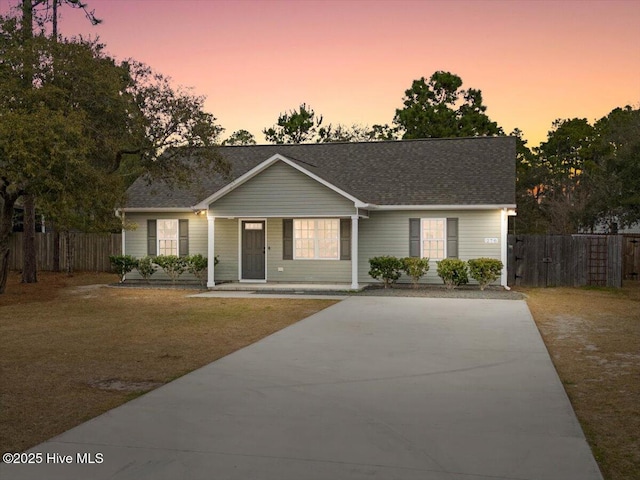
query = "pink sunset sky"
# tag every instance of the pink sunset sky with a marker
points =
(535, 61)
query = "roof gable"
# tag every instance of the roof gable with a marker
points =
(257, 170)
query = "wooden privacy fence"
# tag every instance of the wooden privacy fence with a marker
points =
(565, 260)
(90, 251)
(631, 261)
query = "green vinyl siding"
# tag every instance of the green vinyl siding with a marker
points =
(328, 271)
(227, 246)
(282, 191)
(136, 239)
(383, 233)
(226, 249)
(387, 233)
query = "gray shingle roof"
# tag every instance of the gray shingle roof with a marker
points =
(457, 171)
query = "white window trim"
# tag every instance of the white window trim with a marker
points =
(177, 234)
(316, 244)
(444, 230)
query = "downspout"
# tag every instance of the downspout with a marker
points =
(504, 219)
(120, 214)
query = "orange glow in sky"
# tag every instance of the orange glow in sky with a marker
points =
(535, 61)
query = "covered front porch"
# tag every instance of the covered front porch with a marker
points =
(267, 253)
(281, 223)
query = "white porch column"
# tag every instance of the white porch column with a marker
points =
(123, 250)
(124, 243)
(354, 252)
(211, 251)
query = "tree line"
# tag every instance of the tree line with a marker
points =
(78, 127)
(584, 177)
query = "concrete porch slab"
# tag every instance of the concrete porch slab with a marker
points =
(284, 287)
(253, 294)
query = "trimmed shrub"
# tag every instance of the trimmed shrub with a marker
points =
(197, 264)
(146, 268)
(485, 270)
(453, 272)
(173, 266)
(386, 268)
(416, 268)
(122, 264)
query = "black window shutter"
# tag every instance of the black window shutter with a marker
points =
(183, 243)
(287, 239)
(414, 237)
(152, 237)
(452, 238)
(345, 239)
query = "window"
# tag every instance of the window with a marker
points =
(433, 238)
(168, 237)
(316, 239)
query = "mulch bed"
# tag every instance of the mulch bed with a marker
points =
(440, 291)
(398, 290)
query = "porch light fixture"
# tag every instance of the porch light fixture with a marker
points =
(199, 212)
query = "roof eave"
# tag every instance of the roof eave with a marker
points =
(489, 206)
(156, 209)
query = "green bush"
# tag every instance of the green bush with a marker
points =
(173, 266)
(122, 264)
(485, 270)
(416, 268)
(386, 268)
(146, 268)
(453, 272)
(197, 264)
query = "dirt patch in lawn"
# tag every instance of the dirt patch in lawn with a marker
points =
(593, 336)
(71, 350)
(119, 385)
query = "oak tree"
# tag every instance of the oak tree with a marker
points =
(40, 12)
(86, 127)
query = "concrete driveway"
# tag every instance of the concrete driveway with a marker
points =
(372, 387)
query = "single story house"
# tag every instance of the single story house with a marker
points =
(317, 212)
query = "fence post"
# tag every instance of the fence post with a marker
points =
(615, 252)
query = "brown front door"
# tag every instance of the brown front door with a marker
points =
(253, 250)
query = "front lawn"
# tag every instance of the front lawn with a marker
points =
(593, 336)
(71, 351)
